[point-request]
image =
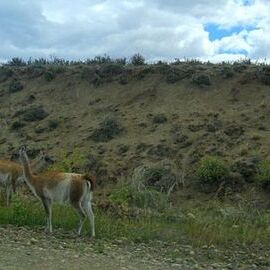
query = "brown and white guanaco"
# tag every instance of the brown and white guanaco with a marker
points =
(11, 173)
(61, 187)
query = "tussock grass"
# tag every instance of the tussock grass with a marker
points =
(213, 223)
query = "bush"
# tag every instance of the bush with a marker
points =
(159, 176)
(52, 71)
(5, 73)
(17, 125)
(212, 171)
(145, 198)
(90, 74)
(110, 70)
(264, 75)
(35, 71)
(174, 75)
(15, 86)
(108, 129)
(68, 162)
(201, 79)
(53, 124)
(49, 75)
(227, 72)
(137, 60)
(160, 118)
(246, 166)
(16, 61)
(32, 114)
(263, 175)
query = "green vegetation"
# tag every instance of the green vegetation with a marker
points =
(160, 176)
(32, 114)
(53, 124)
(263, 175)
(5, 74)
(15, 86)
(159, 118)
(212, 170)
(52, 71)
(68, 162)
(201, 79)
(137, 60)
(148, 120)
(108, 129)
(15, 126)
(206, 224)
(131, 196)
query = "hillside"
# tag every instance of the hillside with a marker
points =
(123, 116)
(143, 130)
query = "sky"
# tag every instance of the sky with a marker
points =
(209, 30)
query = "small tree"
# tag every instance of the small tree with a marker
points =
(137, 60)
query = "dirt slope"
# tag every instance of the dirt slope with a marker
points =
(159, 119)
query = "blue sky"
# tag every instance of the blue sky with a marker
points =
(216, 32)
(204, 29)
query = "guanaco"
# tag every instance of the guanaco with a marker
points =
(50, 187)
(11, 173)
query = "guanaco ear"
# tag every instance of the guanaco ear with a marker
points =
(42, 153)
(48, 159)
(24, 147)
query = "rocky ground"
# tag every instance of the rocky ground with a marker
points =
(23, 248)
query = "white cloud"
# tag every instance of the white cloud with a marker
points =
(155, 28)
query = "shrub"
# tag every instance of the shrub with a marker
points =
(239, 67)
(53, 124)
(32, 114)
(15, 86)
(160, 118)
(161, 150)
(123, 79)
(201, 79)
(5, 73)
(49, 75)
(68, 162)
(94, 164)
(159, 176)
(137, 60)
(227, 72)
(16, 61)
(246, 166)
(264, 75)
(107, 130)
(17, 125)
(100, 60)
(121, 61)
(263, 175)
(35, 71)
(52, 71)
(90, 74)
(212, 171)
(110, 70)
(144, 198)
(174, 75)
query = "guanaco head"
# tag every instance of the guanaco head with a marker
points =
(22, 153)
(43, 156)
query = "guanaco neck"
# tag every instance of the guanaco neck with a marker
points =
(27, 169)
